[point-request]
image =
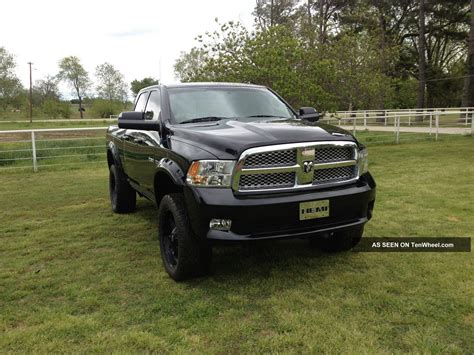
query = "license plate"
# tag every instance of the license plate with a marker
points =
(314, 209)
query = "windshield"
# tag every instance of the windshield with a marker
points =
(248, 104)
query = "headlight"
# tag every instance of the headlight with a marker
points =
(363, 161)
(210, 173)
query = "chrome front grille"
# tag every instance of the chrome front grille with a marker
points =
(298, 165)
(275, 158)
(267, 181)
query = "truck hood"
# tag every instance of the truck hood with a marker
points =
(227, 139)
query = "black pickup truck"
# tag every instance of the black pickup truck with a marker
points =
(235, 162)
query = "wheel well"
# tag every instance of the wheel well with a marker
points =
(164, 185)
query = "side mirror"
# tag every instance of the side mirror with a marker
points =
(136, 120)
(309, 114)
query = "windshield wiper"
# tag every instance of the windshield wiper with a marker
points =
(203, 119)
(264, 116)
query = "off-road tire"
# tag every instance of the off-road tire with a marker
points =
(184, 254)
(122, 196)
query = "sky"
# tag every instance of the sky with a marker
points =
(140, 38)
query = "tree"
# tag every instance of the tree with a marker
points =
(46, 89)
(468, 90)
(340, 54)
(269, 13)
(111, 85)
(187, 66)
(10, 86)
(137, 85)
(358, 79)
(320, 19)
(72, 71)
(55, 108)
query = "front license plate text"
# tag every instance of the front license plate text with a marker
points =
(314, 209)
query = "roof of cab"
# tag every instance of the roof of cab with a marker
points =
(205, 84)
(211, 84)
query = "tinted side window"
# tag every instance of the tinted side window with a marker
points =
(141, 102)
(153, 107)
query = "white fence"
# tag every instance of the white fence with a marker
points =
(432, 122)
(38, 148)
(41, 148)
(450, 117)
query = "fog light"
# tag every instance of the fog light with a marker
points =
(220, 224)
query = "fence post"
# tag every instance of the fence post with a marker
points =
(472, 122)
(397, 121)
(385, 115)
(354, 125)
(467, 116)
(409, 118)
(395, 125)
(437, 124)
(431, 121)
(33, 149)
(365, 120)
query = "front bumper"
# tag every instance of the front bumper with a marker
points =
(273, 216)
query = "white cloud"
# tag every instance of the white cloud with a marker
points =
(137, 37)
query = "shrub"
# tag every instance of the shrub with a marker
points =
(55, 109)
(105, 108)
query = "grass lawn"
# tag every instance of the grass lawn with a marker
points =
(74, 277)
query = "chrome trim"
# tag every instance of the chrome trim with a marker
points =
(301, 175)
(276, 169)
(335, 164)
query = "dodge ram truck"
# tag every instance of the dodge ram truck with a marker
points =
(227, 162)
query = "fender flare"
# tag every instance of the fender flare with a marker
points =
(173, 170)
(112, 148)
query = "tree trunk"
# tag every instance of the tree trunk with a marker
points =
(468, 90)
(383, 58)
(310, 24)
(80, 105)
(272, 13)
(421, 59)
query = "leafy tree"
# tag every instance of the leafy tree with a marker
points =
(54, 108)
(72, 71)
(345, 74)
(10, 85)
(275, 12)
(340, 54)
(320, 19)
(357, 78)
(111, 85)
(137, 85)
(105, 108)
(187, 66)
(46, 89)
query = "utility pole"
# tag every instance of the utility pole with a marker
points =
(31, 94)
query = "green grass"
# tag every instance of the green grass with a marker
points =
(74, 277)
